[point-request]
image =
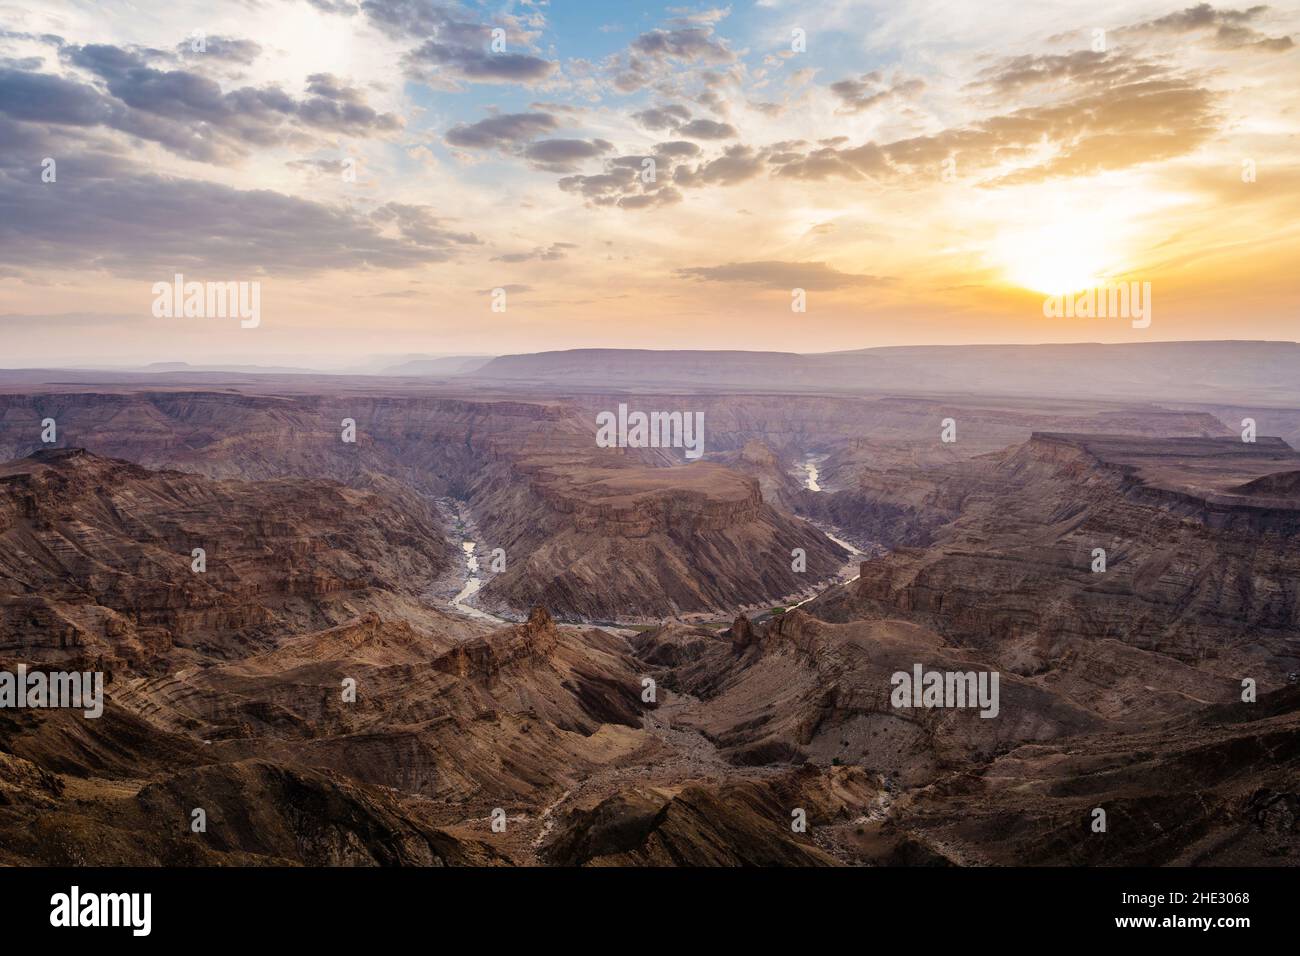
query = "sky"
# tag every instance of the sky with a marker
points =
(419, 177)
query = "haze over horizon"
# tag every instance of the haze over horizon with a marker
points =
(926, 173)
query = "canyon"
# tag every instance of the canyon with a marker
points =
(663, 661)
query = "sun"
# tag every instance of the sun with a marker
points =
(1056, 259)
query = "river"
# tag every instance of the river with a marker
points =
(812, 482)
(461, 523)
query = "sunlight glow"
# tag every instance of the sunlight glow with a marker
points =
(1055, 259)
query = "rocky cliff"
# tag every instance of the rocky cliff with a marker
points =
(97, 559)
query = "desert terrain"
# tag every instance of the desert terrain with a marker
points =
(560, 653)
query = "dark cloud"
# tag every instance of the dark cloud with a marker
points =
(185, 112)
(27, 64)
(516, 134)
(625, 182)
(736, 165)
(706, 129)
(1081, 68)
(831, 163)
(432, 59)
(868, 90)
(332, 88)
(457, 48)
(775, 274)
(1200, 17)
(1241, 38)
(691, 44)
(664, 196)
(677, 149)
(102, 215)
(603, 188)
(663, 117)
(1227, 29)
(634, 75)
(621, 185)
(419, 224)
(714, 101)
(649, 54)
(504, 130)
(43, 98)
(564, 155)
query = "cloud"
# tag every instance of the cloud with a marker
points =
(685, 44)
(1241, 38)
(510, 288)
(502, 131)
(736, 165)
(857, 95)
(346, 8)
(678, 120)
(419, 225)
(103, 215)
(831, 163)
(691, 44)
(516, 134)
(1230, 30)
(457, 48)
(677, 148)
(621, 185)
(184, 112)
(1082, 68)
(1124, 111)
(323, 167)
(624, 181)
(432, 59)
(663, 196)
(775, 274)
(663, 117)
(232, 49)
(556, 250)
(564, 155)
(706, 129)
(686, 16)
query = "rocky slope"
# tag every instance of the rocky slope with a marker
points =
(97, 559)
(1216, 789)
(1199, 587)
(800, 689)
(605, 541)
(594, 533)
(306, 694)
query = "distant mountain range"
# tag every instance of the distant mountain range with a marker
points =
(1170, 371)
(1205, 372)
(440, 366)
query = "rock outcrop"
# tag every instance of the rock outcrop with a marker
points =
(98, 561)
